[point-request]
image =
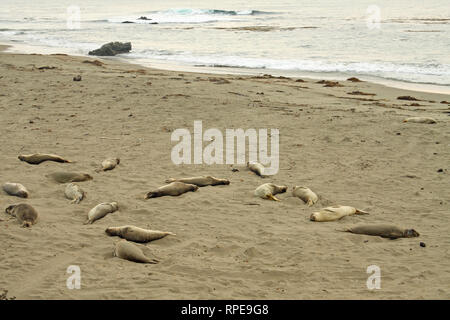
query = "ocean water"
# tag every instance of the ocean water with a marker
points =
(401, 40)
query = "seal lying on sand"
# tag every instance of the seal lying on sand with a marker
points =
(334, 213)
(257, 168)
(25, 213)
(129, 251)
(420, 120)
(74, 192)
(38, 158)
(202, 181)
(16, 189)
(384, 231)
(136, 234)
(172, 189)
(269, 190)
(101, 210)
(109, 164)
(306, 194)
(66, 177)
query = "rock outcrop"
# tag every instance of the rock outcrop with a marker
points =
(111, 49)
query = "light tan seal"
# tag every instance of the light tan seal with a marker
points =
(334, 213)
(269, 190)
(384, 231)
(109, 164)
(16, 189)
(257, 168)
(306, 194)
(202, 181)
(25, 213)
(136, 234)
(101, 210)
(66, 177)
(74, 192)
(38, 158)
(172, 189)
(425, 120)
(129, 251)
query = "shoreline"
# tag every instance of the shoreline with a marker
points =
(345, 141)
(173, 66)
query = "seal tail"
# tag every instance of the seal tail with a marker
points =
(272, 197)
(343, 230)
(361, 212)
(151, 261)
(170, 180)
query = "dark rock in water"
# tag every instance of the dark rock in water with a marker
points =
(423, 245)
(77, 78)
(127, 22)
(353, 79)
(143, 18)
(409, 98)
(111, 49)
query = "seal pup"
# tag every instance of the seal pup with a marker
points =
(136, 234)
(74, 192)
(257, 168)
(66, 177)
(202, 181)
(129, 251)
(25, 213)
(420, 120)
(269, 190)
(172, 189)
(16, 189)
(109, 164)
(334, 213)
(306, 194)
(384, 231)
(38, 158)
(101, 210)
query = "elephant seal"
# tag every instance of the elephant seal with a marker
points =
(129, 251)
(420, 120)
(334, 213)
(101, 210)
(109, 164)
(66, 177)
(171, 189)
(257, 168)
(202, 181)
(38, 158)
(132, 233)
(306, 194)
(269, 190)
(25, 213)
(16, 189)
(384, 231)
(74, 192)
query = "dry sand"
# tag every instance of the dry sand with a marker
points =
(350, 149)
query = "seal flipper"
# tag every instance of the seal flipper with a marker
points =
(361, 212)
(272, 197)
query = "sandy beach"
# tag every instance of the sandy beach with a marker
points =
(349, 147)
